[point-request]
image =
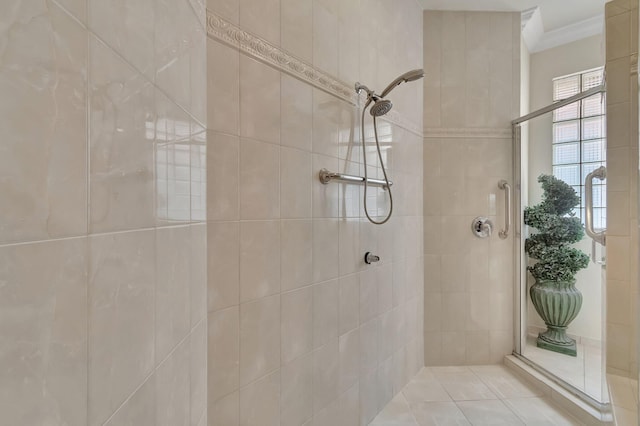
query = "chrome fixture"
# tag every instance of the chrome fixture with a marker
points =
(370, 258)
(326, 176)
(598, 237)
(380, 107)
(503, 184)
(481, 227)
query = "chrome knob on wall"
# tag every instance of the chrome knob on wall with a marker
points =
(370, 258)
(481, 227)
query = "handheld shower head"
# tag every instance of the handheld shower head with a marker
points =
(404, 78)
(380, 107)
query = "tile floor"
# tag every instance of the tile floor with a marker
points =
(624, 398)
(584, 371)
(475, 395)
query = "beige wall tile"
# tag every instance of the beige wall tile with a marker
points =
(198, 373)
(326, 368)
(43, 315)
(259, 261)
(295, 187)
(223, 353)
(296, 324)
(223, 265)
(44, 184)
(325, 312)
(296, 33)
(296, 238)
(261, 18)
(228, 9)
(259, 338)
(259, 96)
(172, 298)
(140, 408)
(348, 299)
(297, 391)
(225, 411)
(223, 165)
(173, 387)
(223, 86)
(260, 402)
(259, 185)
(121, 318)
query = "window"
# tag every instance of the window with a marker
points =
(579, 139)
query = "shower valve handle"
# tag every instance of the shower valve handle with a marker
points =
(370, 258)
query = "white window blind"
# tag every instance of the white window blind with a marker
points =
(579, 138)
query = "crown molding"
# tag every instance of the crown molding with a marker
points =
(468, 133)
(538, 40)
(222, 30)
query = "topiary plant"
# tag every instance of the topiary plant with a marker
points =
(558, 228)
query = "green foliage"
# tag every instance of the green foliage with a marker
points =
(558, 229)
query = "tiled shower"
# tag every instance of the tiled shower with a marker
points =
(168, 255)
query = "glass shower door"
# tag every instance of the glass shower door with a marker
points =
(564, 142)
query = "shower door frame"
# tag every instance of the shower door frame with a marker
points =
(520, 274)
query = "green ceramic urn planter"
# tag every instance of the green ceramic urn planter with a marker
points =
(554, 294)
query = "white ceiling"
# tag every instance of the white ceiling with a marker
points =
(555, 13)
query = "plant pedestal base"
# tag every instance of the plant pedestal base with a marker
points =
(555, 339)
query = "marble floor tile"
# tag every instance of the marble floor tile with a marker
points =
(438, 414)
(540, 411)
(490, 412)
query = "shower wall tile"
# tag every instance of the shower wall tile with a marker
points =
(121, 318)
(311, 314)
(44, 332)
(43, 161)
(622, 175)
(467, 288)
(259, 101)
(223, 88)
(128, 28)
(130, 164)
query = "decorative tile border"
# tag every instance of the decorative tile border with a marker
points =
(226, 32)
(469, 133)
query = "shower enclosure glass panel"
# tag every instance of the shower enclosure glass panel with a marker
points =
(557, 141)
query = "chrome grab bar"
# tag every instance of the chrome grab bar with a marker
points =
(503, 184)
(599, 237)
(326, 176)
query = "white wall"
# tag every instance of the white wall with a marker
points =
(544, 67)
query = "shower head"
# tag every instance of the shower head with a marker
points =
(404, 78)
(380, 107)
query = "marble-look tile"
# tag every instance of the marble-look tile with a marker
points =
(296, 31)
(462, 384)
(397, 413)
(425, 390)
(491, 412)
(438, 414)
(504, 383)
(223, 264)
(349, 303)
(122, 132)
(259, 183)
(43, 333)
(295, 187)
(325, 35)
(139, 409)
(228, 9)
(296, 324)
(259, 338)
(325, 312)
(349, 368)
(173, 301)
(259, 99)
(177, 34)
(261, 18)
(296, 255)
(173, 387)
(297, 391)
(198, 373)
(198, 177)
(223, 353)
(326, 367)
(128, 27)
(540, 411)
(226, 411)
(121, 318)
(325, 256)
(260, 402)
(173, 162)
(43, 153)
(259, 259)
(198, 273)
(350, 406)
(223, 86)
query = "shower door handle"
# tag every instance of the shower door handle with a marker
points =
(599, 237)
(503, 184)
